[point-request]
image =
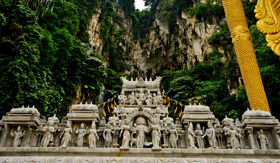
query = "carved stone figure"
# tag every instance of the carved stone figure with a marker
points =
(191, 136)
(48, 133)
(149, 98)
(126, 134)
(158, 98)
(156, 135)
(211, 134)
(132, 98)
(141, 129)
(263, 139)
(107, 135)
(122, 97)
(199, 136)
(81, 134)
(233, 137)
(18, 134)
(173, 136)
(66, 133)
(154, 99)
(92, 137)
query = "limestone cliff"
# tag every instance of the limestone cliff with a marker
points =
(160, 49)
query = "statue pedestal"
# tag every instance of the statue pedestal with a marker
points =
(156, 149)
(124, 148)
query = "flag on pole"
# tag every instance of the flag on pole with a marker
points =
(176, 107)
(180, 113)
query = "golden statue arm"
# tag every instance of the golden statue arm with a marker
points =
(268, 14)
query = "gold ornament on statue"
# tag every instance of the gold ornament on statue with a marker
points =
(268, 13)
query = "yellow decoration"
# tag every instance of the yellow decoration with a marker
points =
(245, 53)
(268, 13)
(104, 113)
(176, 107)
(108, 108)
(180, 113)
(104, 104)
(112, 106)
(115, 103)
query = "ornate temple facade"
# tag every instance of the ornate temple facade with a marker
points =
(139, 129)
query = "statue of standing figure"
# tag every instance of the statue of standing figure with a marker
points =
(210, 133)
(199, 136)
(122, 97)
(81, 133)
(263, 139)
(158, 98)
(233, 137)
(156, 135)
(149, 98)
(132, 98)
(18, 134)
(48, 133)
(107, 136)
(191, 136)
(93, 136)
(66, 135)
(173, 136)
(125, 131)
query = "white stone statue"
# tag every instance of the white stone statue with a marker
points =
(122, 98)
(263, 139)
(154, 99)
(141, 131)
(48, 133)
(142, 96)
(149, 98)
(173, 138)
(107, 135)
(158, 98)
(199, 136)
(82, 131)
(93, 136)
(233, 137)
(18, 134)
(66, 135)
(156, 135)
(211, 134)
(125, 131)
(191, 136)
(132, 98)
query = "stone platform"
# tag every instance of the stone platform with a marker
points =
(99, 155)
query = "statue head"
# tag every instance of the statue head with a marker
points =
(82, 125)
(148, 92)
(158, 93)
(154, 94)
(68, 124)
(198, 127)
(173, 126)
(122, 92)
(19, 128)
(132, 93)
(191, 125)
(93, 125)
(261, 131)
(209, 124)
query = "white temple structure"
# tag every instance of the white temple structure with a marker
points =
(139, 130)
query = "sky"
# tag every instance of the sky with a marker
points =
(140, 4)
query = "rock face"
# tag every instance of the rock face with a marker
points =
(160, 48)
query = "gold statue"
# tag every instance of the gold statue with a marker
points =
(268, 13)
(243, 45)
